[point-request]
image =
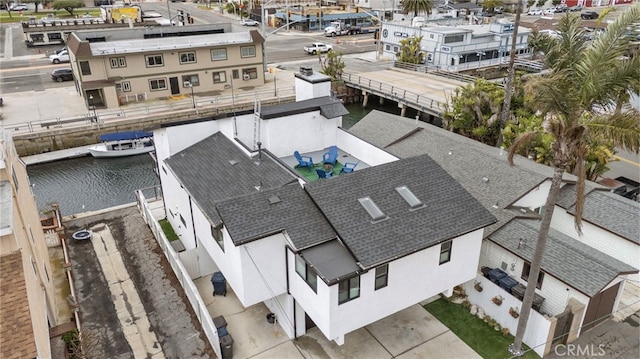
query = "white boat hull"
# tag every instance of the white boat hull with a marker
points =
(120, 149)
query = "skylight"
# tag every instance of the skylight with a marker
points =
(274, 200)
(371, 208)
(408, 196)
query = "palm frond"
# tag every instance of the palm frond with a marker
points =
(622, 128)
(520, 141)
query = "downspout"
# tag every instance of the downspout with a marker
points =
(193, 225)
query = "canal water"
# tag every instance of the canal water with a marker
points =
(89, 184)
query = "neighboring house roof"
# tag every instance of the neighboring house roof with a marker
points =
(580, 266)
(448, 210)
(263, 213)
(612, 212)
(329, 108)
(16, 332)
(215, 169)
(468, 161)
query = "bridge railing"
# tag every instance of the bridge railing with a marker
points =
(411, 99)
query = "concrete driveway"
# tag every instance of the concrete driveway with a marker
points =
(411, 333)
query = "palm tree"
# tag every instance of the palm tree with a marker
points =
(579, 99)
(417, 6)
(511, 74)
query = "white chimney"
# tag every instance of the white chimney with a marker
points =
(311, 84)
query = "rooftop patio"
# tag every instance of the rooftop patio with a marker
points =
(310, 175)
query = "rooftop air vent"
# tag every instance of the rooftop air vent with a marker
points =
(408, 196)
(306, 71)
(371, 208)
(233, 162)
(274, 200)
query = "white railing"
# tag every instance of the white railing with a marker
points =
(181, 273)
(203, 105)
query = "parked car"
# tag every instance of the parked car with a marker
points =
(61, 49)
(64, 74)
(562, 8)
(550, 10)
(317, 47)
(63, 56)
(575, 8)
(589, 15)
(249, 22)
(18, 7)
(534, 12)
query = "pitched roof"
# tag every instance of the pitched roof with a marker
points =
(584, 268)
(287, 208)
(482, 170)
(612, 212)
(449, 211)
(215, 169)
(329, 108)
(16, 332)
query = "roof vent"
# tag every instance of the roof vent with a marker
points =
(274, 200)
(523, 210)
(306, 71)
(233, 162)
(371, 208)
(408, 196)
(485, 179)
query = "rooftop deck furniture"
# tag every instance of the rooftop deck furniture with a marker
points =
(303, 161)
(324, 174)
(331, 156)
(348, 167)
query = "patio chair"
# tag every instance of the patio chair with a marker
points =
(348, 167)
(324, 174)
(330, 156)
(303, 161)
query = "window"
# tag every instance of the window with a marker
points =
(445, 252)
(188, 57)
(158, 84)
(453, 38)
(236, 74)
(382, 276)
(217, 235)
(194, 80)
(248, 51)
(123, 87)
(249, 74)
(164, 170)
(184, 223)
(219, 77)
(154, 60)
(46, 272)
(348, 289)
(218, 54)
(307, 273)
(526, 269)
(14, 177)
(53, 36)
(85, 68)
(118, 62)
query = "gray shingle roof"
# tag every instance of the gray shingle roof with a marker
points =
(252, 216)
(580, 266)
(329, 108)
(214, 169)
(612, 212)
(449, 210)
(466, 160)
(567, 195)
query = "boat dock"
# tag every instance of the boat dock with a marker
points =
(56, 155)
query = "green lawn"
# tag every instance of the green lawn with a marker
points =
(168, 230)
(310, 175)
(476, 333)
(58, 14)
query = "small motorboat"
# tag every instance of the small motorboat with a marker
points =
(120, 144)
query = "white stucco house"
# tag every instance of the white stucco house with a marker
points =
(580, 285)
(337, 253)
(455, 48)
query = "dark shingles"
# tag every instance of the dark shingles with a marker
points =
(214, 169)
(449, 210)
(615, 213)
(584, 268)
(328, 107)
(252, 216)
(466, 160)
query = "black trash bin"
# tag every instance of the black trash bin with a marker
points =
(219, 284)
(221, 325)
(226, 346)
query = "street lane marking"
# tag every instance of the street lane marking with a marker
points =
(626, 160)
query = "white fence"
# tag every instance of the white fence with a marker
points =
(539, 327)
(181, 273)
